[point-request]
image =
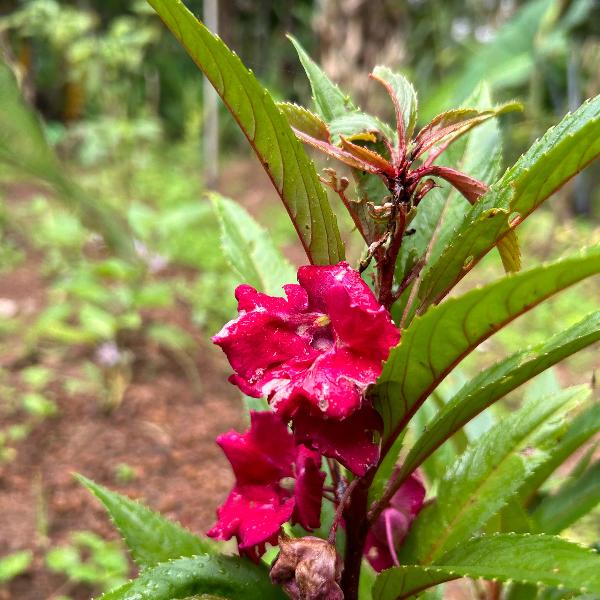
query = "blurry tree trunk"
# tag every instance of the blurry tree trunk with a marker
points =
(356, 35)
(210, 99)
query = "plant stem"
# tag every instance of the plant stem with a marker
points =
(387, 265)
(357, 527)
(340, 510)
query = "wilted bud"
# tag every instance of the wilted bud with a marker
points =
(308, 568)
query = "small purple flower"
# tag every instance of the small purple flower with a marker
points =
(154, 261)
(108, 354)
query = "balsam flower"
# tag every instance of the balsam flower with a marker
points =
(390, 529)
(260, 502)
(314, 353)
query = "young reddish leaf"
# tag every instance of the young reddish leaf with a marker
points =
(450, 125)
(404, 97)
(357, 123)
(472, 189)
(267, 130)
(303, 120)
(381, 164)
(338, 153)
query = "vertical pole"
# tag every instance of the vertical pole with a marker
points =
(210, 141)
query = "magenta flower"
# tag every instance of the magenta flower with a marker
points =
(259, 504)
(390, 529)
(313, 354)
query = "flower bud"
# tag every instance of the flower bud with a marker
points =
(308, 568)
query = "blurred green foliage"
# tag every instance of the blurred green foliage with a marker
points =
(90, 560)
(14, 564)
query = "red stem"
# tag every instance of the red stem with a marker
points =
(357, 527)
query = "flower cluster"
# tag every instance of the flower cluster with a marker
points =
(312, 354)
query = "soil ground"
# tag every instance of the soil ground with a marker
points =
(163, 429)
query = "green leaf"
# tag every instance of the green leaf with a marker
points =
(151, 538)
(250, 250)
(97, 321)
(436, 342)
(303, 120)
(536, 559)
(385, 470)
(24, 147)
(431, 214)
(498, 380)
(366, 581)
(330, 101)
(478, 153)
(404, 97)
(438, 463)
(559, 155)
(14, 564)
(514, 518)
(487, 475)
(355, 123)
(574, 499)
(229, 577)
(267, 130)
(38, 405)
(582, 428)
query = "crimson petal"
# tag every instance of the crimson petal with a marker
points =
(349, 441)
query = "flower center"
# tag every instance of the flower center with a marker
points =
(322, 336)
(322, 321)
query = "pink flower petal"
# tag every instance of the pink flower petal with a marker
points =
(349, 441)
(254, 515)
(314, 353)
(264, 454)
(309, 488)
(249, 299)
(361, 323)
(388, 532)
